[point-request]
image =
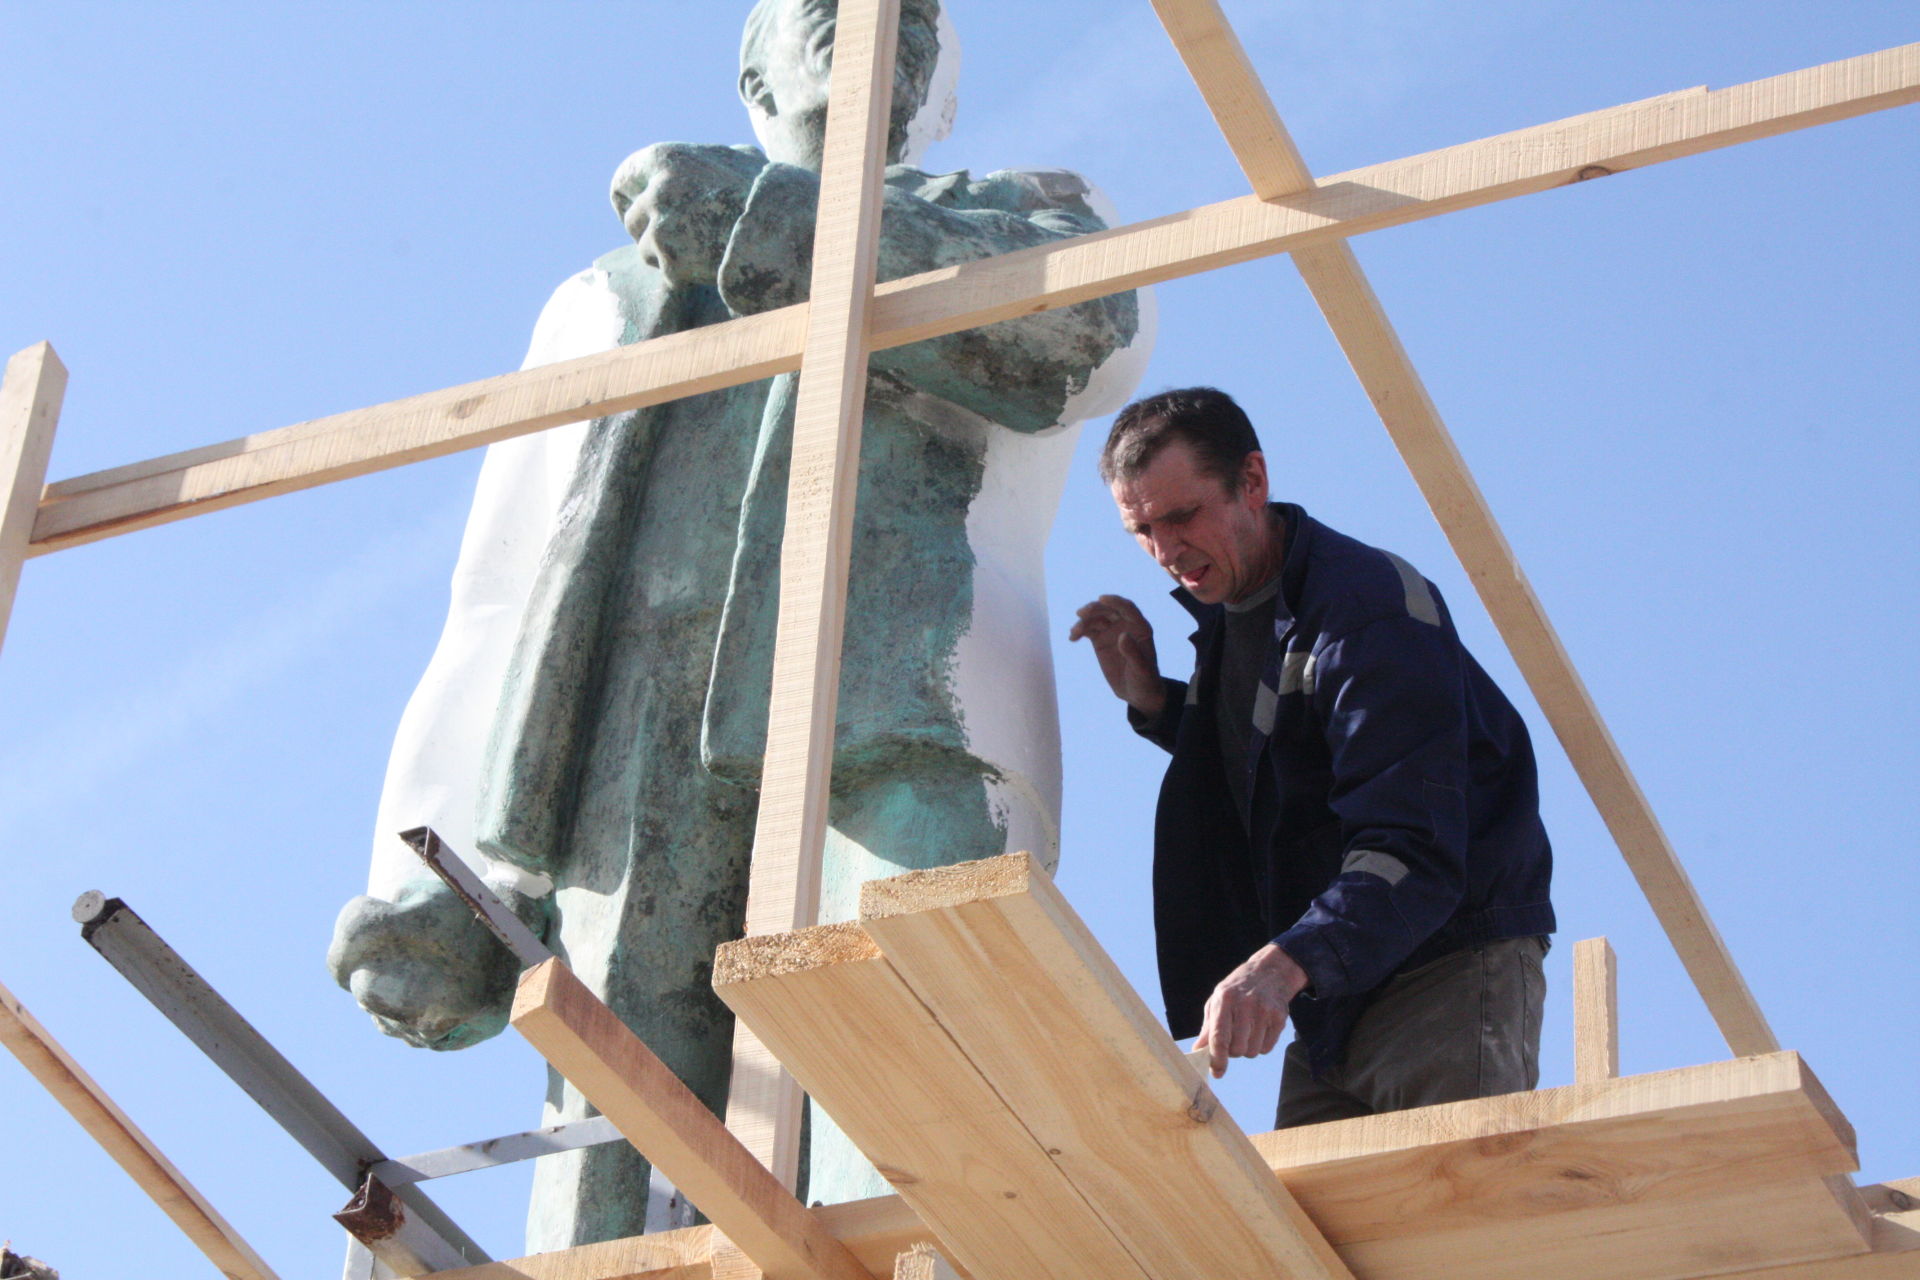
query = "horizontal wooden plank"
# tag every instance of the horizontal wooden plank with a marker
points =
(588, 1044)
(1013, 975)
(1511, 1158)
(866, 1049)
(143, 494)
(344, 445)
(665, 1255)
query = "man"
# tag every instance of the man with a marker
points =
(628, 715)
(1349, 831)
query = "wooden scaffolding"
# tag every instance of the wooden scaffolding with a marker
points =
(1033, 1115)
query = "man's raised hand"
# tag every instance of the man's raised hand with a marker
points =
(1123, 642)
(680, 201)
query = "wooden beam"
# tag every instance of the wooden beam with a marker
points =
(1700, 1137)
(1608, 1148)
(683, 1254)
(1360, 324)
(144, 494)
(870, 1053)
(1596, 1012)
(1013, 975)
(131, 1149)
(30, 396)
(623, 1079)
(790, 826)
(217, 476)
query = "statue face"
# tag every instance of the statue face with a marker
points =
(784, 83)
(787, 92)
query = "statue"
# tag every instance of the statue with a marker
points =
(624, 722)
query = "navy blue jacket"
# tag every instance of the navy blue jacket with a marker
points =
(1393, 809)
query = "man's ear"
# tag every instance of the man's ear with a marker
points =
(1253, 477)
(755, 93)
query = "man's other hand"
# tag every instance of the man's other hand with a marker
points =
(680, 201)
(1123, 642)
(1248, 1010)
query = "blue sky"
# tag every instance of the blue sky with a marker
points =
(1689, 393)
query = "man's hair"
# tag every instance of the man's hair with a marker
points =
(1208, 420)
(913, 66)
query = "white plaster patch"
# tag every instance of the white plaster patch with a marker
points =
(934, 121)
(1002, 671)
(433, 770)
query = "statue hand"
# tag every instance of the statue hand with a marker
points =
(680, 201)
(425, 968)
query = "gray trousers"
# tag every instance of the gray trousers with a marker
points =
(1464, 1026)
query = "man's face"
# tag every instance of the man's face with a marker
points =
(1214, 539)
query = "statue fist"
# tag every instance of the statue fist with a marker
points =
(680, 201)
(425, 968)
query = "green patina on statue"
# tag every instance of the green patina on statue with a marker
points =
(623, 760)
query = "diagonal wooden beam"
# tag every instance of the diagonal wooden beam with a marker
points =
(131, 1149)
(30, 397)
(783, 888)
(628, 1084)
(1012, 974)
(159, 490)
(1260, 142)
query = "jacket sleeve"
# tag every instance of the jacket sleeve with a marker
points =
(1391, 698)
(1019, 373)
(1163, 729)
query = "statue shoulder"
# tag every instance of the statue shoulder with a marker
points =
(1025, 192)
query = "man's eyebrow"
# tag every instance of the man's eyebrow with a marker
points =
(1178, 516)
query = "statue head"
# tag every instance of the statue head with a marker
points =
(787, 51)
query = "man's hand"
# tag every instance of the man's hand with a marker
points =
(1123, 642)
(680, 201)
(1248, 1010)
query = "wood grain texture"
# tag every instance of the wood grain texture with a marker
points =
(131, 1149)
(629, 1085)
(1360, 324)
(217, 476)
(1596, 1012)
(1400, 1192)
(891, 1077)
(30, 396)
(764, 1105)
(1013, 975)
(1564, 152)
(683, 1254)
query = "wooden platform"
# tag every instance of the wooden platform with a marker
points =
(973, 1038)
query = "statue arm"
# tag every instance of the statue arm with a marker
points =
(1020, 373)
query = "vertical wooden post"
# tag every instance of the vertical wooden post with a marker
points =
(30, 398)
(763, 1105)
(1596, 1012)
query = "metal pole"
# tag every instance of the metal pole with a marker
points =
(204, 1016)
